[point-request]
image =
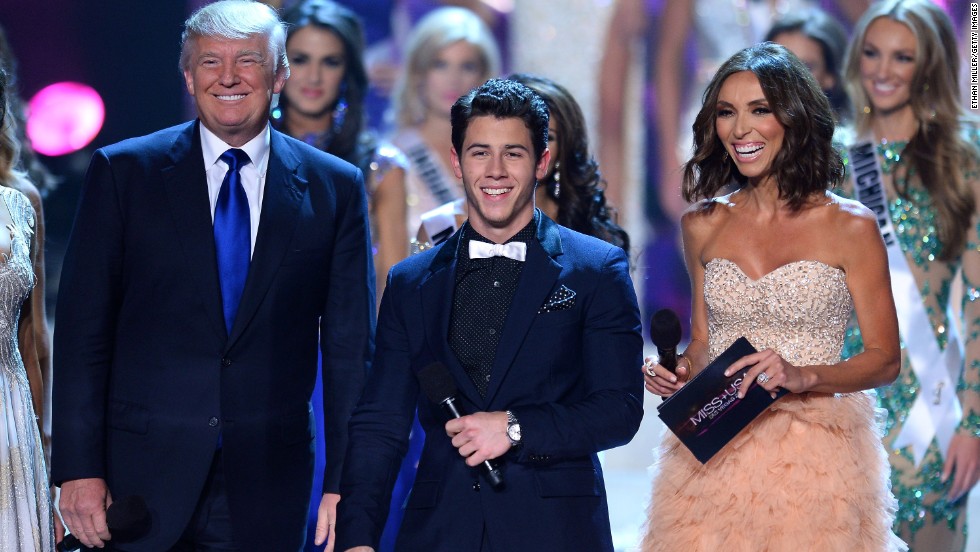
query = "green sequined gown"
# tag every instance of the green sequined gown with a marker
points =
(926, 520)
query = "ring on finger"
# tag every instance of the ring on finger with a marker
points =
(763, 378)
(650, 372)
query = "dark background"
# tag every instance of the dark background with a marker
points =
(128, 51)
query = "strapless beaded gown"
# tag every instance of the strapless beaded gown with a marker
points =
(810, 473)
(25, 504)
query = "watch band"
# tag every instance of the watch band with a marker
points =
(513, 429)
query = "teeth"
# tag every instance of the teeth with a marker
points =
(748, 150)
(231, 98)
(495, 191)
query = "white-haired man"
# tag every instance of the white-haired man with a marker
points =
(206, 263)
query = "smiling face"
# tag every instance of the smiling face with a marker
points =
(317, 62)
(499, 173)
(746, 125)
(456, 70)
(888, 65)
(232, 82)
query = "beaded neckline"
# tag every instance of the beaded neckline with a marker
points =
(891, 154)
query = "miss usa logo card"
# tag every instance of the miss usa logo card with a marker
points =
(707, 413)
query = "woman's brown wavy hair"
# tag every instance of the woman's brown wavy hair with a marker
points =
(807, 162)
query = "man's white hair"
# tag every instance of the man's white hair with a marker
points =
(236, 19)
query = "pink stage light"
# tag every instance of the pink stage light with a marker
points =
(64, 117)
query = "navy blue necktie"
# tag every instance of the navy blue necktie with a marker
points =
(232, 234)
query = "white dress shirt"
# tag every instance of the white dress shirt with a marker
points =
(253, 174)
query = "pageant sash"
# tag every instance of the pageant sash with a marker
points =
(440, 223)
(936, 412)
(430, 173)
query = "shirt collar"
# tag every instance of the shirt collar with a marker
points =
(257, 148)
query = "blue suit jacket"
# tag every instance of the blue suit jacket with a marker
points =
(146, 375)
(571, 376)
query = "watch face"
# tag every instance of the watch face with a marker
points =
(514, 432)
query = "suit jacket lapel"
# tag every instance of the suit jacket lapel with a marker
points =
(538, 278)
(436, 293)
(284, 192)
(186, 189)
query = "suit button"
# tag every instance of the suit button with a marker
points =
(213, 422)
(226, 362)
(476, 486)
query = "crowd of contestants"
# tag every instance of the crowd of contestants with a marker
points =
(889, 72)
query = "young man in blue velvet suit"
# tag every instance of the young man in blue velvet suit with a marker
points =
(206, 263)
(541, 336)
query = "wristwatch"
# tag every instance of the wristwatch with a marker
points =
(513, 429)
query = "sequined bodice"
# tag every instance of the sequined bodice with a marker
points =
(800, 310)
(16, 280)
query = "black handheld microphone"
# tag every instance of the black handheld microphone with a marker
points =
(665, 332)
(438, 385)
(127, 519)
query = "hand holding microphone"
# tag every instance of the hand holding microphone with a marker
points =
(128, 519)
(667, 377)
(438, 385)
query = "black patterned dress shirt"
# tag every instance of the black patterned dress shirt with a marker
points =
(484, 291)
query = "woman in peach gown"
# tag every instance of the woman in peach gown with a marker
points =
(781, 261)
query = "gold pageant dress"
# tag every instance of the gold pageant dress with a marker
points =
(810, 473)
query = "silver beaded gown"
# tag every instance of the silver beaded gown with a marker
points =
(810, 473)
(25, 504)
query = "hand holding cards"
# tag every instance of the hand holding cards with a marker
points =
(706, 413)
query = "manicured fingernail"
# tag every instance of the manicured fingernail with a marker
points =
(739, 394)
(727, 373)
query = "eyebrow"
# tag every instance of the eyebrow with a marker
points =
(759, 101)
(868, 44)
(238, 54)
(487, 146)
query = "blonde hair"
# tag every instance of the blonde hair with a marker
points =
(938, 152)
(440, 28)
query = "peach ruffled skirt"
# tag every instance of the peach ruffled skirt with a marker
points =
(808, 474)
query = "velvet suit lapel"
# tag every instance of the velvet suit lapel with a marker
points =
(538, 278)
(186, 189)
(436, 293)
(284, 192)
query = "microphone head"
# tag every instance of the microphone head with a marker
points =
(128, 518)
(665, 329)
(437, 383)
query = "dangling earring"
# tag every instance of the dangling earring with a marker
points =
(557, 191)
(867, 110)
(340, 111)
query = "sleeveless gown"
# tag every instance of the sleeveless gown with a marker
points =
(25, 504)
(810, 473)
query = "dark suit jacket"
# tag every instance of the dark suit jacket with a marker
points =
(146, 375)
(571, 376)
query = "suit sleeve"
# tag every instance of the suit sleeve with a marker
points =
(346, 324)
(88, 303)
(612, 351)
(379, 429)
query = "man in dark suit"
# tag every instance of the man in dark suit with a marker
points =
(539, 329)
(206, 262)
